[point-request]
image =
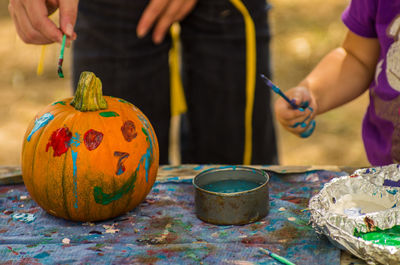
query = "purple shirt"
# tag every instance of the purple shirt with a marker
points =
(381, 125)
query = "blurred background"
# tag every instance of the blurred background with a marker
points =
(303, 31)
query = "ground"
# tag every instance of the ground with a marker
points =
(300, 37)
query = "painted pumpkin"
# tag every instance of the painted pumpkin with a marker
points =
(91, 157)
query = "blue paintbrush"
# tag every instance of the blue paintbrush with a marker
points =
(278, 91)
(292, 103)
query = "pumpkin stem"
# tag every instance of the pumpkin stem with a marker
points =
(89, 95)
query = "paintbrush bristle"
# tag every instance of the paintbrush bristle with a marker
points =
(270, 84)
(60, 72)
(266, 251)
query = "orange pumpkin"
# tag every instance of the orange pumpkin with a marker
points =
(91, 157)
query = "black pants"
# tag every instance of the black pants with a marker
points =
(213, 74)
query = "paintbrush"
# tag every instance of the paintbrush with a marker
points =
(292, 103)
(276, 256)
(61, 58)
(278, 91)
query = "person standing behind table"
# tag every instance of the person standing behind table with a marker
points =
(126, 44)
(368, 58)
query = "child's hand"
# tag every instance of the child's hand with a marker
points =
(298, 121)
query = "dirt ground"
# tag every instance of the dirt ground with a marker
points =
(301, 37)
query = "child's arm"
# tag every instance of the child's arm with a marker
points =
(341, 76)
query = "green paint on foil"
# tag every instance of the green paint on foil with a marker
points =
(386, 237)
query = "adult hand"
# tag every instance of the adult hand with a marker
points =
(162, 14)
(298, 120)
(33, 24)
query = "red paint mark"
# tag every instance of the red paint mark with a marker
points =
(254, 240)
(370, 224)
(120, 165)
(92, 139)
(129, 130)
(8, 212)
(354, 176)
(13, 251)
(59, 140)
(294, 199)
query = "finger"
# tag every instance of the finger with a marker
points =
(40, 22)
(301, 96)
(150, 15)
(24, 27)
(185, 9)
(165, 20)
(301, 128)
(299, 121)
(68, 13)
(309, 130)
(286, 112)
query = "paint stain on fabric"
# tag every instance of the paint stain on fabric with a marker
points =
(92, 139)
(24, 217)
(42, 255)
(39, 123)
(12, 251)
(129, 130)
(120, 165)
(108, 114)
(59, 141)
(296, 200)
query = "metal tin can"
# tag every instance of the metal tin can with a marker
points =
(231, 208)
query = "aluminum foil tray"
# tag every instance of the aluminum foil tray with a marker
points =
(367, 200)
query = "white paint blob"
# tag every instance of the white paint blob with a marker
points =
(360, 204)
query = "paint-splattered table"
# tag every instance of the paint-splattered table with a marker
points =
(164, 228)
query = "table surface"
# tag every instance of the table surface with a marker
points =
(164, 228)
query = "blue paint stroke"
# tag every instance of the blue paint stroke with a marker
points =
(200, 167)
(75, 189)
(393, 192)
(42, 255)
(147, 158)
(75, 142)
(41, 122)
(391, 183)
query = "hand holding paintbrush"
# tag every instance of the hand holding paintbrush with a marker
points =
(294, 110)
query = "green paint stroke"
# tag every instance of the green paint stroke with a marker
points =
(106, 198)
(108, 114)
(124, 101)
(386, 237)
(59, 102)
